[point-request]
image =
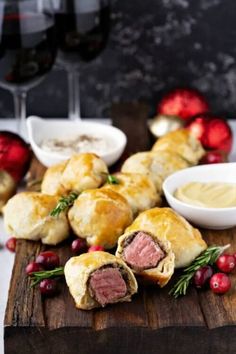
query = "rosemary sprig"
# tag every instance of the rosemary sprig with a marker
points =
(112, 179)
(64, 203)
(209, 256)
(37, 277)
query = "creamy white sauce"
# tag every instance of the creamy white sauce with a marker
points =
(80, 143)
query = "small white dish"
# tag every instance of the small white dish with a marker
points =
(43, 129)
(209, 218)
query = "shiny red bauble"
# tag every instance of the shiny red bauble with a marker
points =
(15, 155)
(220, 283)
(184, 103)
(213, 132)
(48, 260)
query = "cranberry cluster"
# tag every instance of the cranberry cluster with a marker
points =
(219, 282)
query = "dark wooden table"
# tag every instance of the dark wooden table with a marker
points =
(153, 323)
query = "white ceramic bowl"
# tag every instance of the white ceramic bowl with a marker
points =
(40, 129)
(210, 218)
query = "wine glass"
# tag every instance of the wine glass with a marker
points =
(82, 32)
(27, 48)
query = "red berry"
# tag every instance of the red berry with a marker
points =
(184, 103)
(11, 244)
(220, 283)
(213, 157)
(226, 263)
(95, 248)
(48, 260)
(202, 276)
(33, 267)
(79, 246)
(48, 287)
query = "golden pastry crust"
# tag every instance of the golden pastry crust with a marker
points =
(137, 189)
(27, 216)
(84, 171)
(79, 269)
(186, 241)
(182, 142)
(156, 165)
(159, 275)
(7, 188)
(100, 216)
(51, 183)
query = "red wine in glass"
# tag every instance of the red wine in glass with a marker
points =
(83, 28)
(27, 49)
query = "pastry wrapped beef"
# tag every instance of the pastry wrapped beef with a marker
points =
(100, 216)
(27, 216)
(186, 241)
(149, 256)
(156, 165)
(137, 189)
(84, 171)
(182, 142)
(51, 183)
(99, 278)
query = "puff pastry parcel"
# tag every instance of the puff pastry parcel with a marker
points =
(186, 241)
(182, 142)
(148, 255)
(84, 171)
(27, 216)
(51, 183)
(100, 216)
(138, 190)
(156, 165)
(97, 279)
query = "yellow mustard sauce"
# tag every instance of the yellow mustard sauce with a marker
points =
(208, 195)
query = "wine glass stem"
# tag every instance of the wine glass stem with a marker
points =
(74, 95)
(20, 110)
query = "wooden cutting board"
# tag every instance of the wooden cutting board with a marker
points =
(152, 323)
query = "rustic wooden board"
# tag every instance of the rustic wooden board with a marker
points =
(152, 323)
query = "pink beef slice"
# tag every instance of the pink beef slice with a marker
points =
(143, 253)
(107, 285)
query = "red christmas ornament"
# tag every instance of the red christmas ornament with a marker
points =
(15, 155)
(184, 103)
(214, 156)
(213, 132)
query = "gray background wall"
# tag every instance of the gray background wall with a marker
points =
(154, 45)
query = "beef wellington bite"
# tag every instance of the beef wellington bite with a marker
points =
(148, 256)
(99, 278)
(100, 216)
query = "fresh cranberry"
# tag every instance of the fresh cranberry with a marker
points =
(95, 248)
(226, 263)
(202, 276)
(33, 267)
(213, 157)
(48, 260)
(79, 246)
(48, 287)
(11, 244)
(220, 283)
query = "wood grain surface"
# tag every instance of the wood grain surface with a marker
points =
(153, 322)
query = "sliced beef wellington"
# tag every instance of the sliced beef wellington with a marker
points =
(147, 255)
(97, 279)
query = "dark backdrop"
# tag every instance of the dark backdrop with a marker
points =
(154, 45)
